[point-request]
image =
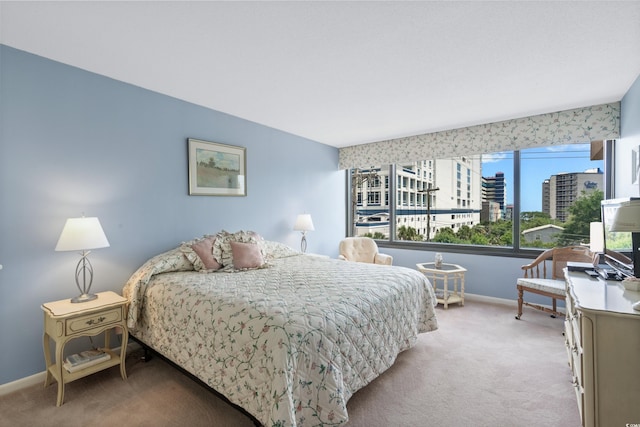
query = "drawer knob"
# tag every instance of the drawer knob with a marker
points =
(96, 321)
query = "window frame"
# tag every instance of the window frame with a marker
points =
(514, 251)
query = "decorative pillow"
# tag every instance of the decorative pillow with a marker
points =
(198, 262)
(255, 235)
(246, 255)
(221, 233)
(204, 249)
(172, 260)
(222, 247)
(275, 250)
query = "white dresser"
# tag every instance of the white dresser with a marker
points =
(602, 333)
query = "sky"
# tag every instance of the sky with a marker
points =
(538, 164)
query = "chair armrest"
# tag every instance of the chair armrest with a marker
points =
(383, 259)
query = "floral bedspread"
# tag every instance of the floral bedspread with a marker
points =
(290, 343)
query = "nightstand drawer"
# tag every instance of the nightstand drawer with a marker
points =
(91, 321)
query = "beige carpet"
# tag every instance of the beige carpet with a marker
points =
(481, 368)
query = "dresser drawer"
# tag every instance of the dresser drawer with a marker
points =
(580, 399)
(568, 332)
(577, 332)
(576, 364)
(568, 339)
(571, 309)
(91, 321)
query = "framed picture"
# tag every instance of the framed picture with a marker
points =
(216, 169)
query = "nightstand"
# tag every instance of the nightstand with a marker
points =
(64, 321)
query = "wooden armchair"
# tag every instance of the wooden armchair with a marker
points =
(544, 276)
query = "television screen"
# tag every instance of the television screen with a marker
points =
(617, 243)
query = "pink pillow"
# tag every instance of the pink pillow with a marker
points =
(204, 249)
(246, 255)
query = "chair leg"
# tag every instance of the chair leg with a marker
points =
(554, 308)
(520, 300)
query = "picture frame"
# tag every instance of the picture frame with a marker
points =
(216, 169)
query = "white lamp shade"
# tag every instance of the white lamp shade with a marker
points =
(627, 217)
(80, 234)
(596, 237)
(303, 223)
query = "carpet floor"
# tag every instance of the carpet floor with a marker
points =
(480, 368)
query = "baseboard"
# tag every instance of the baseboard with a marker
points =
(40, 376)
(501, 301)
(22, 383)
(492, 300)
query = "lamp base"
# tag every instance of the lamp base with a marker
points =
(84, 298)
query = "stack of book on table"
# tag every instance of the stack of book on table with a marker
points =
(85, 359)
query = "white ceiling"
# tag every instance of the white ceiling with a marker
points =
(345, 73)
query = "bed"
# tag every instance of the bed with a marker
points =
(291, 337)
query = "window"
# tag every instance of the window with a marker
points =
(555, 182)
(473, 200)
(369, 214)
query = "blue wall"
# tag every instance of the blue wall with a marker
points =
(73, 142)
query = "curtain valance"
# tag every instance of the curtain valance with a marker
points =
(581, 125)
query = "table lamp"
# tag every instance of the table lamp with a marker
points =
(82, 234)
(596, 241)
(303, 224)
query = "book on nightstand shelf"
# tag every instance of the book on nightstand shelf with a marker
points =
(85, 359)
